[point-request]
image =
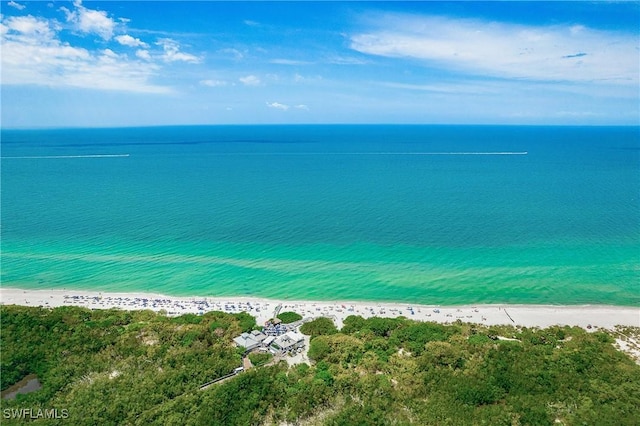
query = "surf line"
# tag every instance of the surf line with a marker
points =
(67, 156)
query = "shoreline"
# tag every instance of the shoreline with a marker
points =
(585, 316)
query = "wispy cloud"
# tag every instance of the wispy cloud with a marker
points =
(504, 50)
(285, 107)
(172, 52)
(250, 80)
(289, 62)
(346, 60)
(278, 105)
(16, 5)
(214, 83)
(235, 53)
(466, 87)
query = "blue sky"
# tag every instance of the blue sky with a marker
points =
(156, 63)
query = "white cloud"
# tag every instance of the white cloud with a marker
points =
(549, 53)
(143, 54)
(108, 53)
(278, 105)
(285, 107)
(213, 83)
(250, 80)
(33, 54)
(16, 5)
(127, 40)
(172, 52)
(90, 21)
(27, 29)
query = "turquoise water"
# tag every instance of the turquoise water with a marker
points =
(327, 212)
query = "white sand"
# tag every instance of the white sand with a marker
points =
(262, 309)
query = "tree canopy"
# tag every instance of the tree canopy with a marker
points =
(139, 368)
(318, 327)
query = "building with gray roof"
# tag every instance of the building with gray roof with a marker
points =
(247, 341)
(287, 342)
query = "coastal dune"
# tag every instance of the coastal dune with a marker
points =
(588, 317)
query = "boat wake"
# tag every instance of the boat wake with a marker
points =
(32, 157)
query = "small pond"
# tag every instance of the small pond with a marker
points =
(28, 384)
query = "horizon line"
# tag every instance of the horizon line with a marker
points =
(143, 126)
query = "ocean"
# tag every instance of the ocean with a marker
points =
(419, 214)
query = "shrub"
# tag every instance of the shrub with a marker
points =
(289, 317)
(258, 359)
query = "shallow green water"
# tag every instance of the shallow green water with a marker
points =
(328, 212)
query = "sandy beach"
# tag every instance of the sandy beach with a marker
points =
(589, 317)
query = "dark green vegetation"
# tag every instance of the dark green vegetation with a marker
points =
(117, 367)
(289, 317)
(318, 327)
(259, 358)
